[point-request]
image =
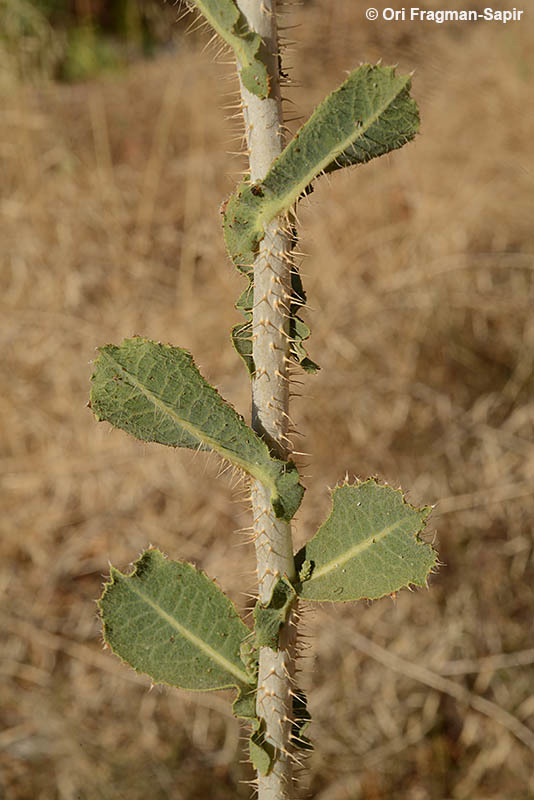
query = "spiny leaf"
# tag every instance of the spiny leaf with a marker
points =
(269, 618)
(367, 548)
(298, 331)
(227, 20)
(156, 393)
(170, 621)
(369, 115)
(249, 656)
(242, 334)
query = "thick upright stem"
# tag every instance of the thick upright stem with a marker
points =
(270, 399)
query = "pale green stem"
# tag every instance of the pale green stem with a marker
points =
(270, 401)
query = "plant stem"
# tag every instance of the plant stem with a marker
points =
(270, 401)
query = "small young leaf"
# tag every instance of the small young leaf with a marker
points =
(169, 620)
(242, 334)
(156, 393)
(261, 752)
(298, 331)
(301, 720)
(369, 115)
(249, 656)
(227, 20)
(268, 619)
(367, 548)
(244, 706)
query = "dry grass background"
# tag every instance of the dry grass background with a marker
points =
(420, 271)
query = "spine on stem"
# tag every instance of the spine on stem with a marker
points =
(270, 400)
(167, 618)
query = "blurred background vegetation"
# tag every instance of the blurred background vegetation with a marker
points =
(114, 160)
(73, 40)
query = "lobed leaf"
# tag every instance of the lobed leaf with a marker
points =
(228, 21)
(170, 621)
(367, 548)
(156, 393)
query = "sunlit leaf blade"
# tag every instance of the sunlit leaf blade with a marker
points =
(369, 115)
(227, 20)
(170, 621)
(156, 393)
(368, 547)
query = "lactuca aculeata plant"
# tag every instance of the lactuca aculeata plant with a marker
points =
(167, 618)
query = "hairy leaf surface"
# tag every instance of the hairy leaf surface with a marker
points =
(227, 20)
(369, 115)
(367, 548)
(170, 621)
(156, 393)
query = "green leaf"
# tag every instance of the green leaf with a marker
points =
(244, 705)
(367, 548)
(242, 341)
(261, 752)
(301, 720)
(227, 20)
(170, 621)
(242, 334)
(156, 393)
(369, 115)
(298, 331)
(269, 618)
(249, 657)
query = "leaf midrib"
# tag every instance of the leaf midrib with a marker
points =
(353, 552)
(223, 662)
(247, 466)
(291, 196)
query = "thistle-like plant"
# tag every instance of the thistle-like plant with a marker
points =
(167, 618)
